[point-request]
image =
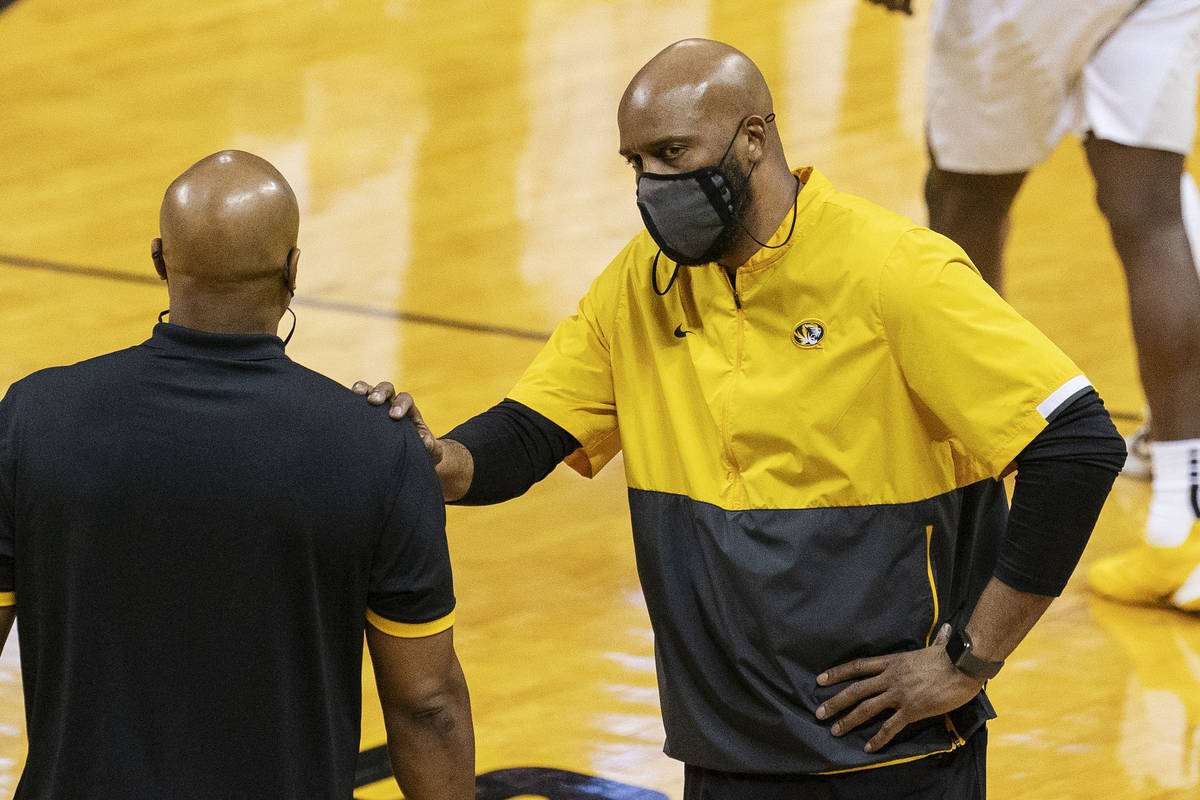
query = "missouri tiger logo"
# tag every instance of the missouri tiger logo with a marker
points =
(808, 334)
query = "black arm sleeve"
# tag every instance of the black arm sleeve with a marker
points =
(513, 448)
(1063, 478)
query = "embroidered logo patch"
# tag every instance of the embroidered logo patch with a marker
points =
(808, 334)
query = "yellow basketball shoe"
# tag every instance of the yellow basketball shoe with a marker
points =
(1147, 575)
(1187, 596)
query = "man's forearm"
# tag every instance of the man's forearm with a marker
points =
(1001, 619)
(432, 750)
(455, 471)
(497, 455)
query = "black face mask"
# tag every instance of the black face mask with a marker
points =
(692, 216)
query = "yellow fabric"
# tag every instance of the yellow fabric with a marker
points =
(8, 599)
(925, 380)
(407, 630)
(894, 763)
(937, 611)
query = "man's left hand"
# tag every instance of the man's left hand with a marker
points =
(917, 684)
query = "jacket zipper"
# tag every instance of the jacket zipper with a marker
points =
(956, 740)
(932, 582)
(735, 477)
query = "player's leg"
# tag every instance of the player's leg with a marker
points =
(1139, 91)
(1138, 462)
(973, 210)
(1138, 189)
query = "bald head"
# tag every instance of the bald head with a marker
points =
(682, 109)
(697, 80)
(228, 247)
(230, 218)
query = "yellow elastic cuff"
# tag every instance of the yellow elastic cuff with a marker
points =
(8, 599)
(409, 630)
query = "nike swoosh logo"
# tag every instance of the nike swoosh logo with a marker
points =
(680, 332)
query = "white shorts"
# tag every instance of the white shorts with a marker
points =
(1009, 78)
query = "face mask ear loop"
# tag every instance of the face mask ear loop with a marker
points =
(654, 276)
(729, 146)
(791, 230)
(293, 330)
(163, 313)
(768, 119)
(795, 199)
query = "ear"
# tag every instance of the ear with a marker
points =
(756, 137)
(290, 268)
(160, 266)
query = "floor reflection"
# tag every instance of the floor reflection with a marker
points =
(1159, 724)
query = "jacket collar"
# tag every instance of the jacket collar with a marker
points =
(813, 188)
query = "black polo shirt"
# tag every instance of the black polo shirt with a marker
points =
(195, 530)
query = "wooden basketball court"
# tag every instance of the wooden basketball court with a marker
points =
(460, 187)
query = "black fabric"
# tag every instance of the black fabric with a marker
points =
(1063, 478)
(513, 448)
(1194, 478)
(195, 528)
(749, 606)
(958, 775)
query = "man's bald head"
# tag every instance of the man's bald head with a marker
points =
(228, 247)
(697, 80)
(682, 108)
(230, 218)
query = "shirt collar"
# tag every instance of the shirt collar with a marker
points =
(179, 340)
(813, 187)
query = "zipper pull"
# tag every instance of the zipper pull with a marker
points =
(737, 300)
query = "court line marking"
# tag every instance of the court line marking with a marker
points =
(25, 262)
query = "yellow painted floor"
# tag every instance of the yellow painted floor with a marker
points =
(456, 165)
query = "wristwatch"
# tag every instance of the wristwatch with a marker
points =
(962, 655)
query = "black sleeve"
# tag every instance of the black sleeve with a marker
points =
(1063, 478)
(411, 579)
(513, 447)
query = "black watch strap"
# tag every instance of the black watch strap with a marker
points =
(962, 656)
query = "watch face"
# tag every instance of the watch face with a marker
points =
(957, 645)
(959, 650)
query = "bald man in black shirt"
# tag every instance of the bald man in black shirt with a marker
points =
(196, 547)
